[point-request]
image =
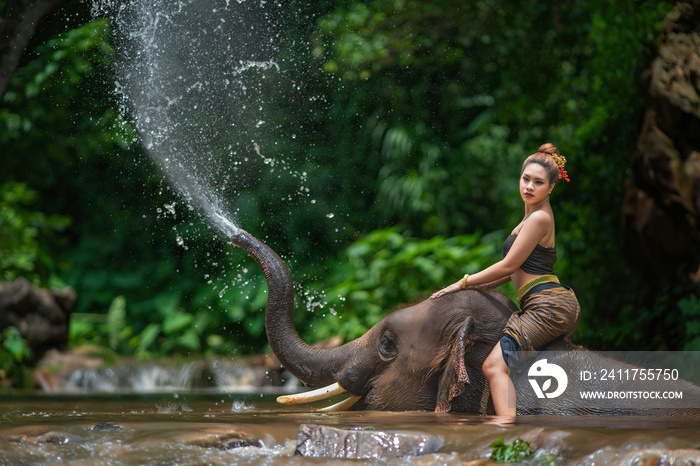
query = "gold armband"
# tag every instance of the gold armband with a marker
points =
(464, 281)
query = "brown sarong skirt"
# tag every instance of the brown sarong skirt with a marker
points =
(546, 315)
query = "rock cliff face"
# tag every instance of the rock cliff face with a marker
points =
(662, 198)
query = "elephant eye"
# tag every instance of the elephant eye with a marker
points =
(387, 346)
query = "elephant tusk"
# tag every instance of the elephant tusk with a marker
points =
(342, 406)
(313, 395)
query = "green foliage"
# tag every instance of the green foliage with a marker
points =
(514, 452)
(689, 307)
(409, 113)
(15, 345)
(60, 66)
(24, 234)
(386, 268)
(116, 322)
(451, 111)
(14, 356)
(137, 257)
(423, 106)
(600, 105)
(173, 330)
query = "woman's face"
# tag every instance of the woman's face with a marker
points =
(534, 184)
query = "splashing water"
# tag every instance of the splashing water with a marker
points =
(227, 226)
(195, 78)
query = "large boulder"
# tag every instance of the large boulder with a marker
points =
(40, 315)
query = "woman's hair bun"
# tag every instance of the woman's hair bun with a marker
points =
(548, 148)
(549, 157)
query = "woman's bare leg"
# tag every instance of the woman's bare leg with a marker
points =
(502, 390)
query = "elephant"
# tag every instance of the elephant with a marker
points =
(424, 357)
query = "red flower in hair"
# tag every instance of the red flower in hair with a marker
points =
(561, 161)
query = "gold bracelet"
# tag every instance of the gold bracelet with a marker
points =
(464, 281)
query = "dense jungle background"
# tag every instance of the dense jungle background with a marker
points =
(409, 128)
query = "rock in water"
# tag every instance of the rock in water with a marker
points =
(223, 440)
(647, 456)
(356, 443)
(105, 426)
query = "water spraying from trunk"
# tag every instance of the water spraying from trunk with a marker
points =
(198, 79)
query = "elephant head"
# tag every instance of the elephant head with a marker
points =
(427, 356)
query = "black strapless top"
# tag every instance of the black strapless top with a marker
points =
(541, 260)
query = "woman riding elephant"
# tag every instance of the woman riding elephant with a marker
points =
(549, 309)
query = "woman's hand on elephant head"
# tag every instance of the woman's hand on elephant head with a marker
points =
(457, 286)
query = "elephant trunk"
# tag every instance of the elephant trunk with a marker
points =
(313, 366)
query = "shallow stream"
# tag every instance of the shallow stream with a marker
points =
(192, 429)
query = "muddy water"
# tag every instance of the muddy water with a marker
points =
(177, 429)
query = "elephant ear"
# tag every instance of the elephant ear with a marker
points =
(455, 378)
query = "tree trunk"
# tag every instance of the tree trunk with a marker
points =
(16, 29)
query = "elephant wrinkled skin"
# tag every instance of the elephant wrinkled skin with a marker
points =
(426, 357)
